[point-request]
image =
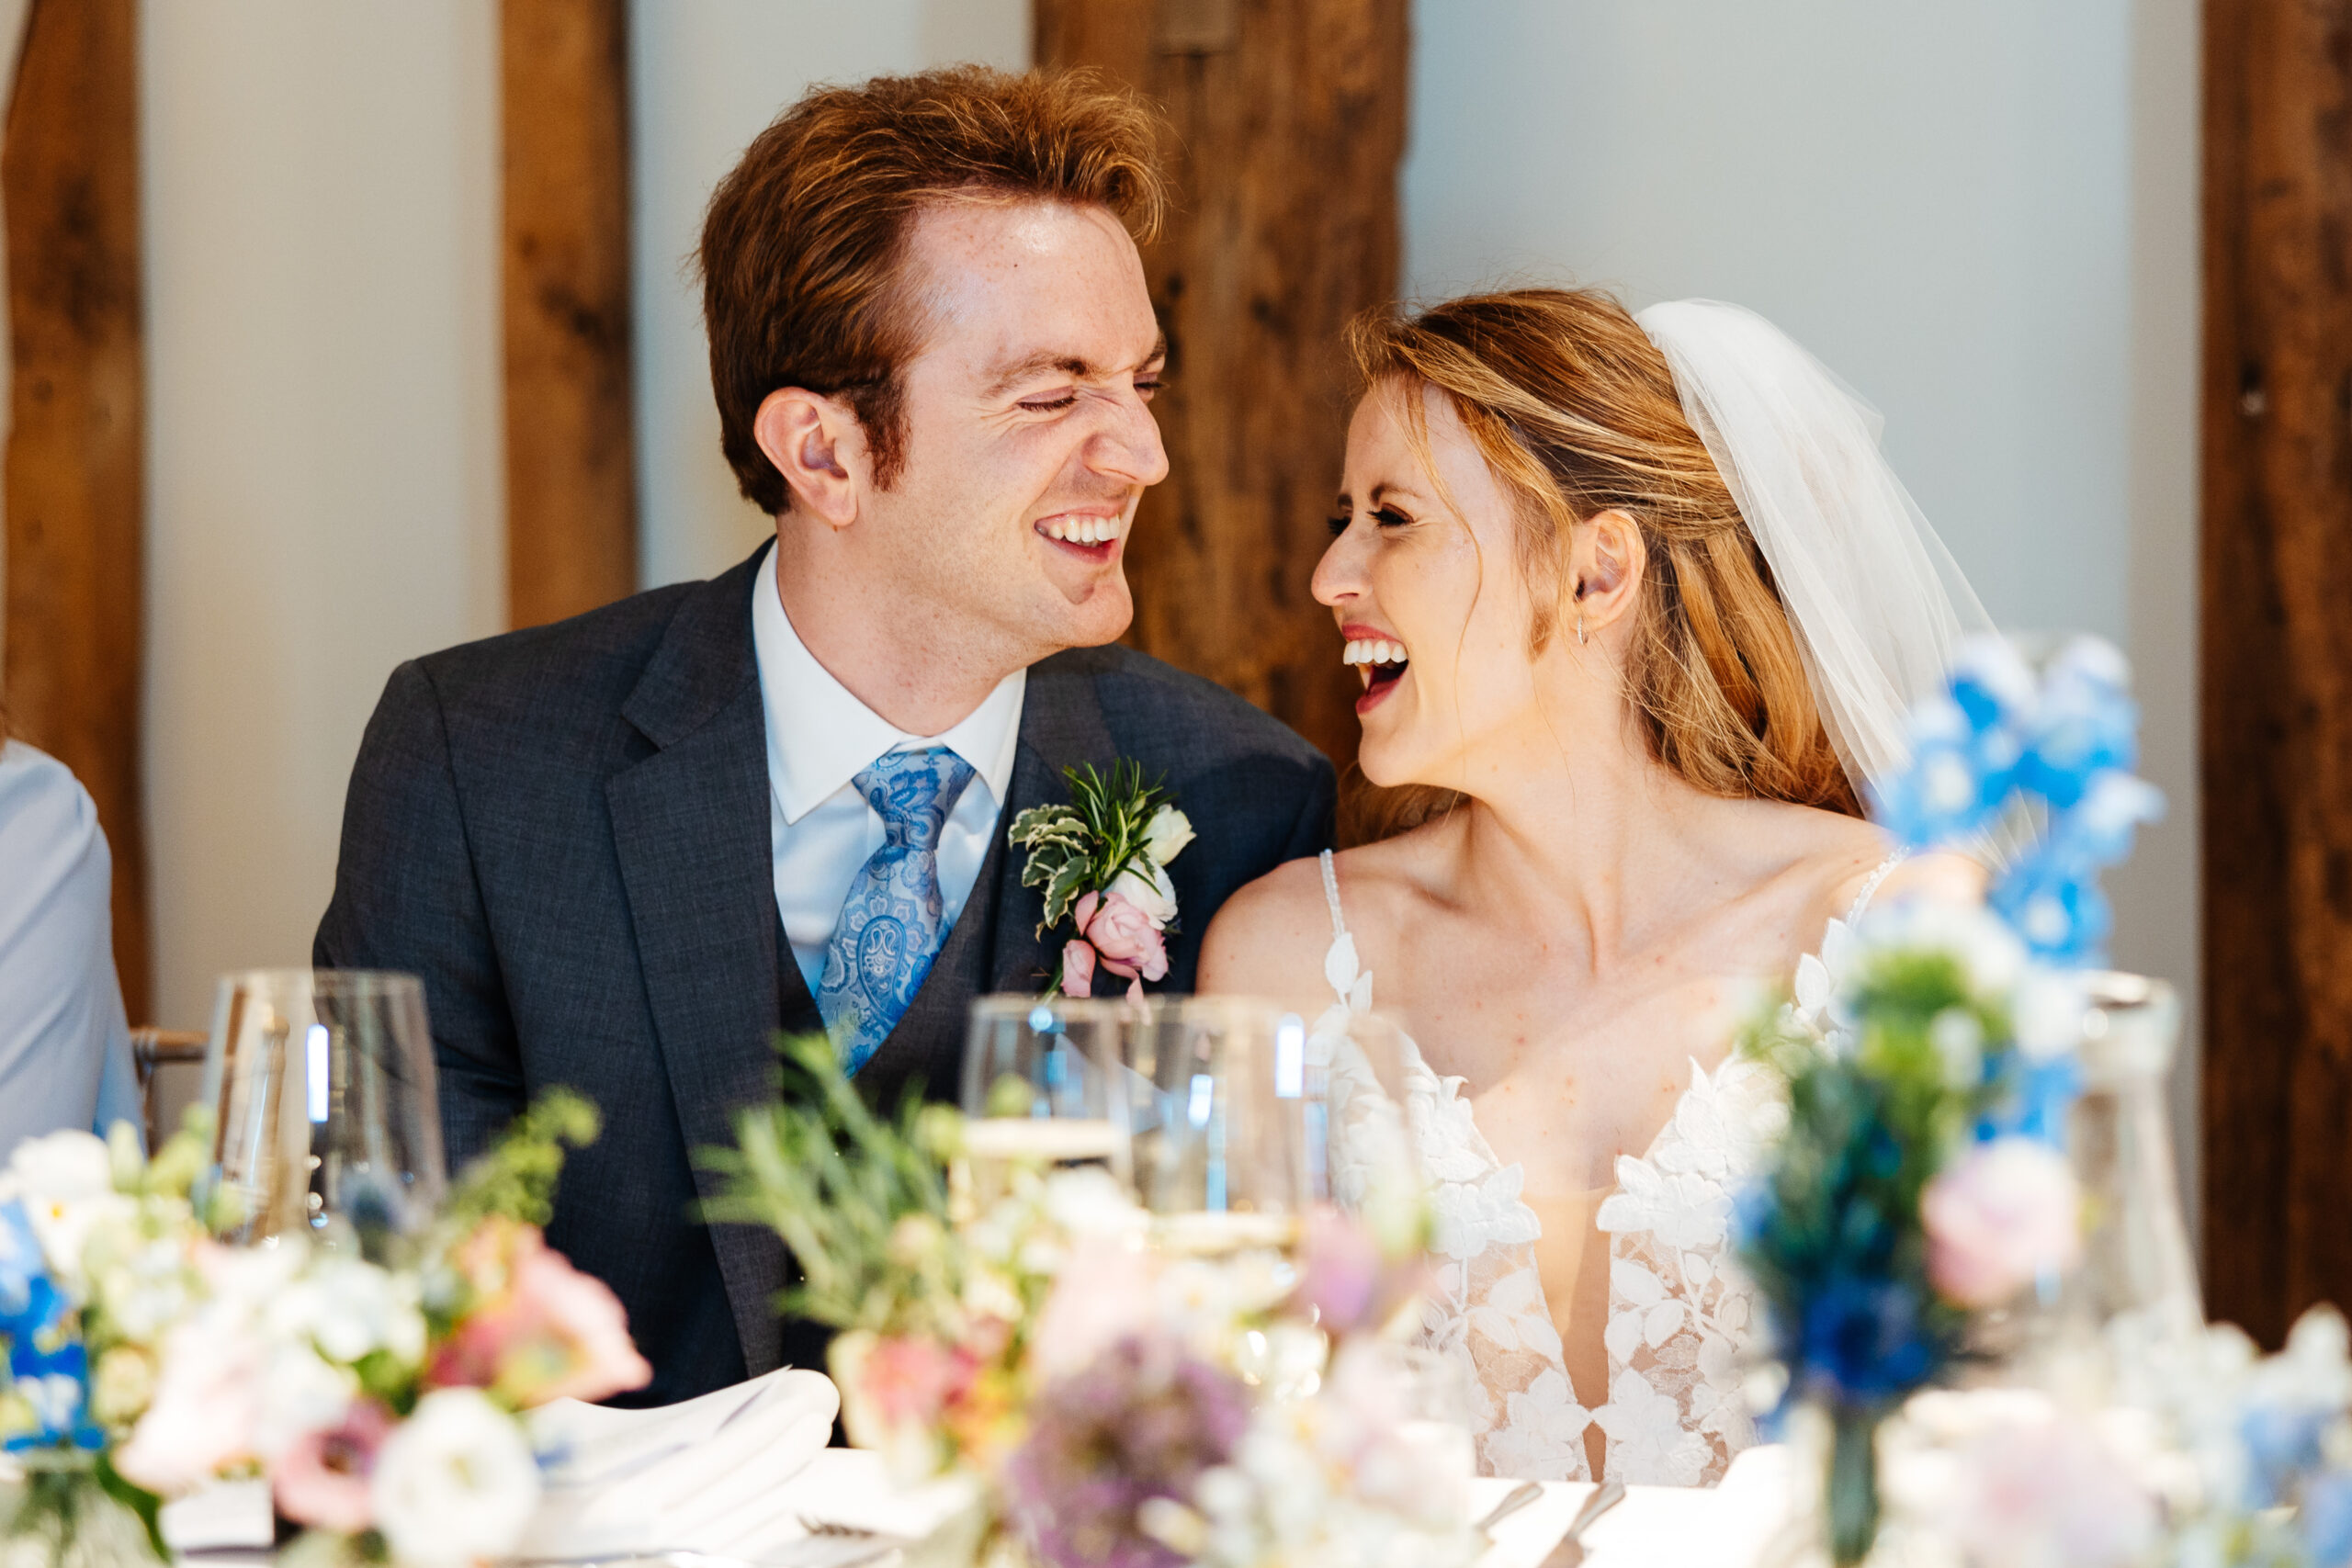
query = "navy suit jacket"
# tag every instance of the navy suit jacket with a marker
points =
(565, 831)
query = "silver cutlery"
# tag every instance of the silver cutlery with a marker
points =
(1570, 1553)
(1517, 1498)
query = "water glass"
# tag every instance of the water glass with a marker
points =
(325, 1119)
(1223, 1119)
(1041, 1085)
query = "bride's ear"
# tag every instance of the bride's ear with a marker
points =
(1606, 556)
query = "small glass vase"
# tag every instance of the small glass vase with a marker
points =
(60, 1513)
(2113, 1328)
(1835, 1517)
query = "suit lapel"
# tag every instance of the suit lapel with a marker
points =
(1061, 725)
(690, 824)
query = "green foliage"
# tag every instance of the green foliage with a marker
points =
(516, 1179)
(1088, 842)
(861, 1199)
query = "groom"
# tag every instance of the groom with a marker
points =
(619, 849)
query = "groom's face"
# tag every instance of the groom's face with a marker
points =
(1029, 437)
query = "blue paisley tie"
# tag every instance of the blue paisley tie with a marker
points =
(893, 921)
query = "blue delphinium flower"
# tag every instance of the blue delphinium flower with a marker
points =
(51, 1372)
(2325, 1519)
(1863, 1341)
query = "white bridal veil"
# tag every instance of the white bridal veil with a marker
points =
(1878, 603)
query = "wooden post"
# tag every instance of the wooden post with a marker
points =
(2276, 703)
(1290, 122)
(571, 473)
(68, 179)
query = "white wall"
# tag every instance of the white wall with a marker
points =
(1983, 216)
(324, 482)
(706, 77)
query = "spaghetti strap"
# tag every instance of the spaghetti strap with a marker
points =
(1331, 897)
(1862, 899)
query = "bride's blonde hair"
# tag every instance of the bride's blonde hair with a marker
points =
(1576, 412)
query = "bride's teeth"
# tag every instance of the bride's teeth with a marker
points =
(1354, 654)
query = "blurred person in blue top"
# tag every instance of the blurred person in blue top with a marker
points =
(65, 1043)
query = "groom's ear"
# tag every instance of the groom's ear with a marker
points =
(1605, 562)
(817, 444)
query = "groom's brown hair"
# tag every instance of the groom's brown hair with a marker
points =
(804, 243)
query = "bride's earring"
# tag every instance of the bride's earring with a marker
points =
(1579, 629)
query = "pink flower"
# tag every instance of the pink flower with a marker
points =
(1346, 1279)
(322, 1479)
(2043, 1494)
(1130, 945)
(540, 1329)
(1078, 967)
(2007, 1211)
(1102, 1293)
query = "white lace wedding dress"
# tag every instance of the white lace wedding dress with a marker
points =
(1678, 1311)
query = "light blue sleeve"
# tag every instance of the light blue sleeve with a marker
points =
(63, 1033)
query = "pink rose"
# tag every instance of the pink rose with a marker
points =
(541, 1330)
(1078, 967)
(322, 1479)
(2007, 1212)
(1124, 937)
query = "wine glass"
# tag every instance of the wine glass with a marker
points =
(1041, 1086)
(1225, 1121)
(325, 1121)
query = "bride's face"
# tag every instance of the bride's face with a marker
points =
(1423, 579)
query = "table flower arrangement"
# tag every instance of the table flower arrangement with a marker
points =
(2235, 1460)
(1929, 1060)
(379, 1398)
(1105, 1401)
(100, 1254)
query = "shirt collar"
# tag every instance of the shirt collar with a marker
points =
(820, 736)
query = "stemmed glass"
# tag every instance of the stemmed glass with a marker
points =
(1041, 1084)
(1224, 1115)
(325, 1119)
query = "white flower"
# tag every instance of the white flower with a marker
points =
(456, 1483)
(123, 1384)
(1156, 896)
(1988, 951)
(1165, 836)
(348, 1307)
(65, 1181)
(2047, 1013)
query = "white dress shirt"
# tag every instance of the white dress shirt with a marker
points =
(64, 1047)
(821, 830)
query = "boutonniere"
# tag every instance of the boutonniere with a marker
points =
(1102, 860)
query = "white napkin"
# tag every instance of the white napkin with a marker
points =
(704, 1476)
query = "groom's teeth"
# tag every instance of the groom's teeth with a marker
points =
(1082, 530)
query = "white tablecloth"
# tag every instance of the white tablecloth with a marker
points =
(1655, 1527)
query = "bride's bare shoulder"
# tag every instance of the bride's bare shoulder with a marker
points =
(1857, 857)
(1269, 937)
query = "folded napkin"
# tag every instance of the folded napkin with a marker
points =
(704, 1476)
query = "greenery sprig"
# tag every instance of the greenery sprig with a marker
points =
(1088, 842)
(860, 1198)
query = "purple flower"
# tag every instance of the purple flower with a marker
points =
(1143, 1420)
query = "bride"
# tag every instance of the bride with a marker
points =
(1638, 609)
